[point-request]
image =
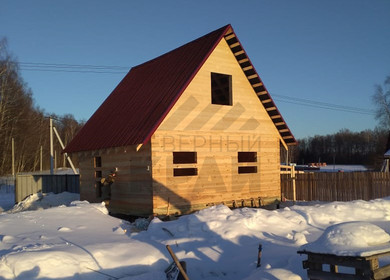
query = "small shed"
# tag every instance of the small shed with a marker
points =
(191, 128)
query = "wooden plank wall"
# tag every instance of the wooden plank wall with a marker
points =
(339, 186)
(132, 191)
(217, 179)
(216, 133)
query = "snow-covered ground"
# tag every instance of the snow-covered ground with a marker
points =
(60, 239)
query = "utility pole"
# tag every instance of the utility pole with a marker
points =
(55, 160)
(51, 147)
(63, 147)
(41, 164)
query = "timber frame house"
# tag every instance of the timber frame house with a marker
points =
(191, 128)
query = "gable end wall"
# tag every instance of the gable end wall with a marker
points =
(217, 133)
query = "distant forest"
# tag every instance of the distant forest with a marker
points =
(344, 147)
(27, 124)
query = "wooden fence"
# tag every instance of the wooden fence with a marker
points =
(30, 184)
(336, 186)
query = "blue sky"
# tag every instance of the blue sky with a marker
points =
(323, 51)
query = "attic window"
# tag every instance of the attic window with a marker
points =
(221, 89)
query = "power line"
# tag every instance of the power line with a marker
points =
(78, 68)
(74, 65)
(114, 69)
(71, 71)
(323, 105)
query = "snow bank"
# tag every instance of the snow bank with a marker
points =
(41, 201)
(351, 239)
(78, 240)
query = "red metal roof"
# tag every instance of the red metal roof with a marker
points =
(137, 106)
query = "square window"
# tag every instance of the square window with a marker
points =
(221, 89)
(247, 157)
(184, 157)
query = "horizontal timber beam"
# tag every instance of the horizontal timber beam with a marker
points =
(234, 45)
(252, 76)
(228, 37)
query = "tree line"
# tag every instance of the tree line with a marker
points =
(25, 124)
(344, 147)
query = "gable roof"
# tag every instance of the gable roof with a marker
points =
(137, 106)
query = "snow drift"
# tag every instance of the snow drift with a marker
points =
(78, 240)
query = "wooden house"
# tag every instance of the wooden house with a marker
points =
(191, 128)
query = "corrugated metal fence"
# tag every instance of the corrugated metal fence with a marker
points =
(337, 186)
(30, 184)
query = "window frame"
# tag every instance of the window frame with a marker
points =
(247, 162)
(216, 98)
(184, 163)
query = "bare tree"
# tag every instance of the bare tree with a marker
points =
(23, 121)
(381, 99)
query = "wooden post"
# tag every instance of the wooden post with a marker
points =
(259, 256)
(293, 182)
(51, 147)
(13, 157)
(175, 259)
(41, 163)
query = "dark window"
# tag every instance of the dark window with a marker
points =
(185, 172)
(247, 169)
(184, 157)
(97, 162)
(247, 156)
(221, 89)
(98, 174)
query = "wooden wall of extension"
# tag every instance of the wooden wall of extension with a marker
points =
(132, 191)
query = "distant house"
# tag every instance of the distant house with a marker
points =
(191, 128)
(386, 162)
